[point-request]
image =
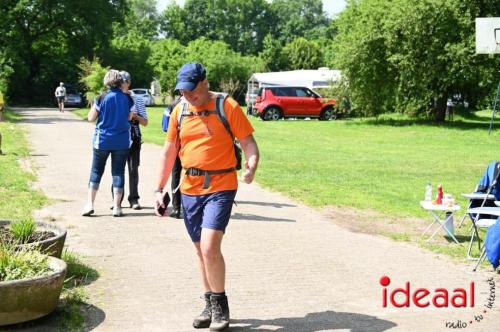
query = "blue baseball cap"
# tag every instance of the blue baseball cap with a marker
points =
(190, 75)
(125, 76)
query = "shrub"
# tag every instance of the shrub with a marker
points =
(21, 264)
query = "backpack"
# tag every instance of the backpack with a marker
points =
(221, 114)
(166, 114)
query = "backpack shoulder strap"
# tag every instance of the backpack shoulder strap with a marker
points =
(184, 107)
(221, 113)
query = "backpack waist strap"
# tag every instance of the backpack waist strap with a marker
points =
(206, 174)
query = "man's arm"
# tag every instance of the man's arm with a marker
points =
(251, 150)
(167, 159)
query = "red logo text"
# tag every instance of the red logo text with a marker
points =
(423, 297)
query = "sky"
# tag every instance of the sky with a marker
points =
(329, 6)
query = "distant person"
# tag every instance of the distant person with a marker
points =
(198, 135)
(111, 137)
(61, 96)
(139, 117)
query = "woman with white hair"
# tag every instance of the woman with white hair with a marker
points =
(111, 137)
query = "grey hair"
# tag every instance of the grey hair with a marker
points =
(113, 79)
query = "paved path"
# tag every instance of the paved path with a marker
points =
(289, 268)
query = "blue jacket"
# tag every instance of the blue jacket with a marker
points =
(492, 244)
(488, 178)
(112, 131)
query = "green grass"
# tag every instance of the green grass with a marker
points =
(17, 199)
(23, 229)
(70, 312)
(78, 272)
(372, 165)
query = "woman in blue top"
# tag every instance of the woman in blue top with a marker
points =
(112, 136)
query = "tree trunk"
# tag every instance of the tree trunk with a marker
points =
(441, 109)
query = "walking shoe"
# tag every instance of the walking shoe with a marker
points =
(135, 206)
(220, 312)
(176, 213)
(204, 319)
(88, 210)
(117, 212)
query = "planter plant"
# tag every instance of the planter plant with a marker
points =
(30, 284)
(47, 238)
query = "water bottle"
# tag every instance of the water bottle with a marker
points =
(428, 192)
(449, 223)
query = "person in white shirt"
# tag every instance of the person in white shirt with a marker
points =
(61, 96)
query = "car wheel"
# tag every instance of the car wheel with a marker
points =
(326, 114)
(272, 113)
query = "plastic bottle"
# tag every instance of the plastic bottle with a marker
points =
(449, 223)
(439, 196)
(428, 192)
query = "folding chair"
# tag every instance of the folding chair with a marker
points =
(487, 223)
(481, 223)
(486, 192)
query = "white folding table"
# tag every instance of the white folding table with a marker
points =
(437, 211)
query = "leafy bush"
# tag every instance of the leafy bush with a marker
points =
(23, 264)
(23, 229)
(92, 76)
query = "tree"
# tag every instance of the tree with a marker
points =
(272, 54)
(141, 19)
(242, 24)
(298, 18)
(303, 54)
(166, 59)
(361, 54)
(44, 40)
(131, 53)
(92, 77)
(412, 55)
(173, 22)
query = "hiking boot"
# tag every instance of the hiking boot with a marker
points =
(204, 319)
(220, 312)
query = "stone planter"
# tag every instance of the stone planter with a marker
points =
(28, 299)
(53, 246)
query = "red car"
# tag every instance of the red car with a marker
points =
(274, 103)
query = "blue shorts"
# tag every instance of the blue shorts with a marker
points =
(210, 211)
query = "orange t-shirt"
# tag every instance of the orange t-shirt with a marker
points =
(206, 145)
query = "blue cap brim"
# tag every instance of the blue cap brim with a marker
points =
(185, 86)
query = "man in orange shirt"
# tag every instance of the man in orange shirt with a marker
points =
(209, 181)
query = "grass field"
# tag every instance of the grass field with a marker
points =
(381, 164)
